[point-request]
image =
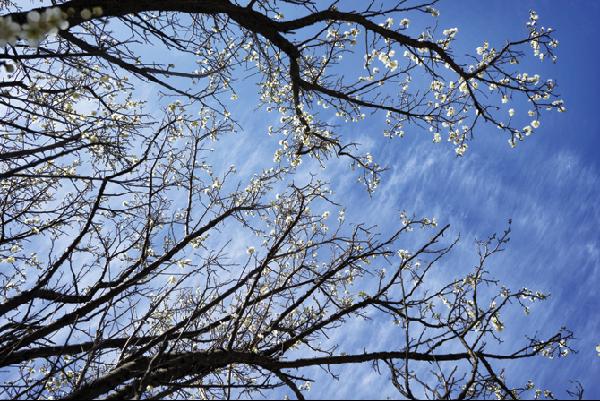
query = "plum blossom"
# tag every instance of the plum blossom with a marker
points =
(39, 25)
(404, 254)
(33, 30)
(461, 149)
(86, 14)
(9, 31)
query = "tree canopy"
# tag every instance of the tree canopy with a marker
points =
(122, 271)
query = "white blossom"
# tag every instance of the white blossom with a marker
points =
(9, 31)
(33, 30)
(86, 14)
(39, 25)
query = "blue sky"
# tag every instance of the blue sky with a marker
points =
(549, 186)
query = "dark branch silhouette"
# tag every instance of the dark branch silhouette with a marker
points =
(122, 275)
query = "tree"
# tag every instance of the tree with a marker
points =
(121, 274)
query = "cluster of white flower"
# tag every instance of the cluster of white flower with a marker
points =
(429, 222)
(39, 25)
(9, 31)
(497, 323)
(450, 32)
(535, 34)
(461, 149)
(388, 23)
(386, 59)
(559, 104)
(434, 12)
(436, 86)
(184, 262)
(404, 254)
(482, 49)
